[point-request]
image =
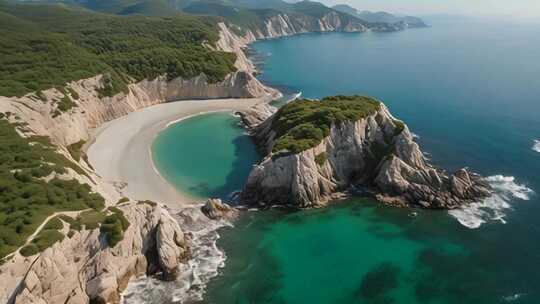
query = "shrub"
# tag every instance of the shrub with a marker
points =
(73, 93)
(122, 200)
(29, 250)
(147, 202)
(91, 219)
(114, 226)
(41, 96)
(75, 149)
(47, 238)
(65, 104)
(321, 158)
(54, 223)
(400, 126)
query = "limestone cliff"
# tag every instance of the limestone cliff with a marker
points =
(376, 153)
(285, 24)
(84, 268)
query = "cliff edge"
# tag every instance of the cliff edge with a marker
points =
(316, 149)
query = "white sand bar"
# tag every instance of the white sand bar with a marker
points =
(121, 152)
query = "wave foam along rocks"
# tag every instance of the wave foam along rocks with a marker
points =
(492, 208)
(190, 285)
(536, 146)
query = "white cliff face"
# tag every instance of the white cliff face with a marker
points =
(282, 25)
(84, 267)
(377, 152)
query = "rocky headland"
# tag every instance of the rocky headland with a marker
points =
(315, 150)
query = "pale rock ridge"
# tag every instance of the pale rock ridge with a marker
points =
(377, 152)
(282, 25)
(84, 267)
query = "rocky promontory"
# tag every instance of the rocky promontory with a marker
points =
(85, 268)
(316, 149)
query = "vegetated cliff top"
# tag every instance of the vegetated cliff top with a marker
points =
(302, 124)
(44, 46)
(26, 198)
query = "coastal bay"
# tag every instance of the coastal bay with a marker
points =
(121, 152)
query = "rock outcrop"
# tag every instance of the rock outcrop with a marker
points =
(376, 153)
(215, 209)
(84, 268)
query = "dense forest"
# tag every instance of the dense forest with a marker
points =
(43, 46)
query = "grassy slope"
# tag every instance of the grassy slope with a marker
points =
(302, 124)
(42, 46)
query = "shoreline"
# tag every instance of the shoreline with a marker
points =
(121, 151)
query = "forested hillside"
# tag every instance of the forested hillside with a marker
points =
(42, 46)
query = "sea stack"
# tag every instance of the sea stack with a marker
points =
(316, 149)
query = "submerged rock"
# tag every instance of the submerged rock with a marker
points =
(376, 151)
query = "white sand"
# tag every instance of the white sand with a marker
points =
(121, 152)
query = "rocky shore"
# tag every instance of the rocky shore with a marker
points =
(376, 154)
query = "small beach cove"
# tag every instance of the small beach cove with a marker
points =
(121, 152)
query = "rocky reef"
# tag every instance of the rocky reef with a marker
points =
(371, 151)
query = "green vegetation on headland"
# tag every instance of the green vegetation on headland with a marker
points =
(112, 224)
(302, 124)
(26, 198)
(45, 46)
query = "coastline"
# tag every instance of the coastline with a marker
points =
(121, 150)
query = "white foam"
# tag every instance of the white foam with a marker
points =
(514, 297)
(494, 207)
(536, 145)
(190, 285)
(415, 136)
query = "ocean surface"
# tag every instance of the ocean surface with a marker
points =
(470, 90)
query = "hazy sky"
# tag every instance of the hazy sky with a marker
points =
(521, 8)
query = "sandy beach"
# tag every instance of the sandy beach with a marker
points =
(121, 151)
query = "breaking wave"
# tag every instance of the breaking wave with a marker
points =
(536, 146)
(190, 285)
(494, 207)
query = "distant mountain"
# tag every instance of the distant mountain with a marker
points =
(264, 18)
(382, 17)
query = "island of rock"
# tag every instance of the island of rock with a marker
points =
(316, 149)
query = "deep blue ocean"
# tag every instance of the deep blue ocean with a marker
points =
(470, 90)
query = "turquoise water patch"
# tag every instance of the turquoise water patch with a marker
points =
(206, 155)
(353, 252)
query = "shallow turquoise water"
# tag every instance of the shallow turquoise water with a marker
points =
(206, 155)
(471, 91)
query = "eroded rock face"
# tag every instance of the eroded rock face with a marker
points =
(83, 268)
(215, 209)
(377, 152)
